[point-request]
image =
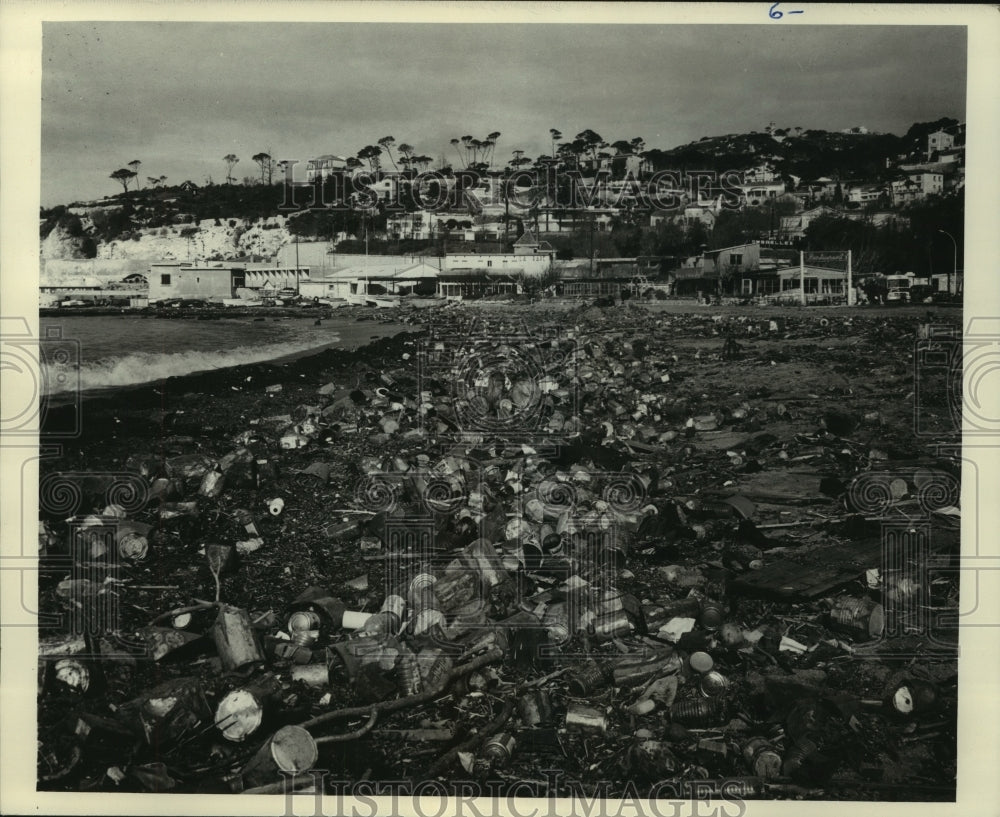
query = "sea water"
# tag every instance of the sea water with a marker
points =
(111, 351)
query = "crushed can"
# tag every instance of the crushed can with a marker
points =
(635, 670)
(860, 617)
(762, 758)
(246, 521)
(799, 758)
(291, 750)
(316, 675)
(133, 547)
(241, 711)
(171, 711)
(580, 718)
(235, 639)
(534, 707)
(654, 758)
(303, 627)
(589, 678)
(614, 624)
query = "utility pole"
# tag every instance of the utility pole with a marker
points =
(802, 276)
(850, 281)
(954, 265)
(506, 217)
(592, 227)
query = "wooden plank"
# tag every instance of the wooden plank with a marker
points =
(813, 576)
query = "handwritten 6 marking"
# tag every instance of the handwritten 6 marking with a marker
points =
(774, 14)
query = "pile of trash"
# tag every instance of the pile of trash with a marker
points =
(605, 546)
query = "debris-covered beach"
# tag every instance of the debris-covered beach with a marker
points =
(641, 547)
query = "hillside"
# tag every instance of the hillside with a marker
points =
(208, 239)
(806, 154)
(225, 222)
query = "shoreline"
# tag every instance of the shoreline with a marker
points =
(370, 328)
(93, 407)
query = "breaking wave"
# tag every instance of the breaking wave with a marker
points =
(147, 367)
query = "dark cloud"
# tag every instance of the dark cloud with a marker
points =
(179, 96)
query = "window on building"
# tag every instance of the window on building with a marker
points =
(489, 263)
(736, 259)
(747, 286)
(165, 280)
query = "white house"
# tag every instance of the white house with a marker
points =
(928, 183)
(939, 140)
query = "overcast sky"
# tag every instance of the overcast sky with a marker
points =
(180, 96)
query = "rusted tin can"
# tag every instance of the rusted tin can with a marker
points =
(612, 625)
(290, 750)
(799, 756)
(499, 749)
(713, 684)
(582, 718)
(860, 617)
(699, 712)
(133, 547)
(312, 675)
(588, 678)
(763, 758)
(712, 615)
(303, 627)
(238, 715)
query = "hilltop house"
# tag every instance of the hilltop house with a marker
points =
(939, 140)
